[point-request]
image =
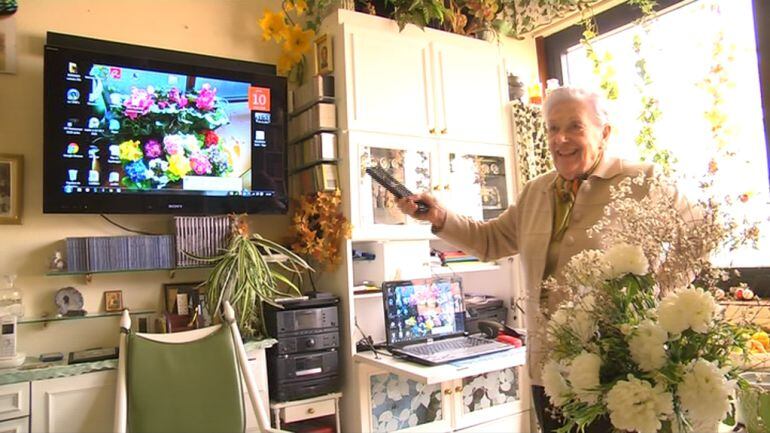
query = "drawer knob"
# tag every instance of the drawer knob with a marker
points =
(310, 410)
(432, 130)
(448, 391)
(444, 131)
(458, 389)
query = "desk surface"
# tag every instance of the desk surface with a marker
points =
(513, 357)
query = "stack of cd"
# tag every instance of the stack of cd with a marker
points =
(199, 236)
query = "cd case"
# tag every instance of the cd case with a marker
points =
(90, 355)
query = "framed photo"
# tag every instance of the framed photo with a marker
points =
(324, 55)
(113, 300)
(11, 175)
(185, 306)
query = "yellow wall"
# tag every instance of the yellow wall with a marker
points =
(224, 28)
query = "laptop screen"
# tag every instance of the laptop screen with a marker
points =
(419, 309)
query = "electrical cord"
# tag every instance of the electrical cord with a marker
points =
(139, 232)
(367, 339)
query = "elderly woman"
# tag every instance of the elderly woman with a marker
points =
(548, 223)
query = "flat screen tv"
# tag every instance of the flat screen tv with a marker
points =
(132, 129)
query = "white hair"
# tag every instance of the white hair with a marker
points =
(593, 100)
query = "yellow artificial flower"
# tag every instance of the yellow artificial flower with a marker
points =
(179, 165)
(273, 26)
(297, 40)
(285, 63)
(129, 150)
(301, 6)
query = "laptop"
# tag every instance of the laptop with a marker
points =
(425, 322)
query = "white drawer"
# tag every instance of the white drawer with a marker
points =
(14, 400)
(18, 425)
(308, 410)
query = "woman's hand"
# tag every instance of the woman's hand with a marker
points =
(436, 214)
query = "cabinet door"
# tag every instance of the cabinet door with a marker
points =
(519, 423)
(18, 425)
(387, 86)
(84, 403)
(476, 179)
(400, 404)
(471, 91)
(258, 367)
(479, 399)
(410, 160)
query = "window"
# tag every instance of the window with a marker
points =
(679, 49)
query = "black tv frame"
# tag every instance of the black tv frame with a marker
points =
(54, 199)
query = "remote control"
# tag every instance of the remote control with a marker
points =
(394, 186)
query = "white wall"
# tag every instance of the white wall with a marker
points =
(224, 28)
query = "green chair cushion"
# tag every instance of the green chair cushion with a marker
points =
(184, 387)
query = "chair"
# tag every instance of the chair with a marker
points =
(185, 382)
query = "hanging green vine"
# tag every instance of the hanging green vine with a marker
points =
(646, 141)
(533, 157)
(602, 67)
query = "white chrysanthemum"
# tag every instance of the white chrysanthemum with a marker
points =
(687, 308)
(559, 320)
(586, 269)
(704, 393)
(634, 405)
(625, 259)
(648, 346)
(583, 376)
(583, 322)
(556, 387)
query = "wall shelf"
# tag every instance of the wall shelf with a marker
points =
(43, 319)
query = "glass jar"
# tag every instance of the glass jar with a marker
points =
(10, 297)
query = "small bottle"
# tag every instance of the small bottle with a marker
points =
(535, 94)
(551, 84)
(10, 297)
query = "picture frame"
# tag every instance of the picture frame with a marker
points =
(11, 189)
(113, 300)
(324, 55)
(185, 306)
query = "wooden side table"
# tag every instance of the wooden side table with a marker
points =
(309, 408)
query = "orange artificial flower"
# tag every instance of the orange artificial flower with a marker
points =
(273, 26)
(297, 40)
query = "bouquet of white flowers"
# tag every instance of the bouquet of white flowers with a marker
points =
(647, 364)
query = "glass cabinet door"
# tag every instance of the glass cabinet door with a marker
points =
(477, 184)
(412, 162)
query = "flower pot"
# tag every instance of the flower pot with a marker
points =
(749, 402)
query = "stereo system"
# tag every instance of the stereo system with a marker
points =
(305, 361)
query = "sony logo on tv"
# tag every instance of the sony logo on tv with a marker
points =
(174, 206)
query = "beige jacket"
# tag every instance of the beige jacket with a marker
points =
(525, 229)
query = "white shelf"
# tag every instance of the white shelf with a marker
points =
(465, 267)
(368, 295)
(513, 357)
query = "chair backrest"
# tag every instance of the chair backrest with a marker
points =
(187, 381)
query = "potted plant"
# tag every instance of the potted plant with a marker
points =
(243, 275)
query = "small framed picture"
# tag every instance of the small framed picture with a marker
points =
(11, 174)
(324, 55)
(113, 300)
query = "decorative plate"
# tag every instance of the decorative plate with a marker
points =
(68, 299)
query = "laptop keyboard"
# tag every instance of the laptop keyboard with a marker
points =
(454, 348)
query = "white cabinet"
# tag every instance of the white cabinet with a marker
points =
(406, 398)
(422, 83)
(83, 403)
(17, 425)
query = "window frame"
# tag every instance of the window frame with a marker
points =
(552, 47)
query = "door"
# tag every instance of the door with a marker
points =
(486, 397)
(412, 161)
(471, 90)
(83, 403)
(476, 179)
(388, 81)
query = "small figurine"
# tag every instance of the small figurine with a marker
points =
(57, 262)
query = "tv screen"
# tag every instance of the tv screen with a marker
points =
(132, 129)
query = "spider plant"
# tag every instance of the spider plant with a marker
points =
(246, 275)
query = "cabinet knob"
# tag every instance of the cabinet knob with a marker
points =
(436, 187)
(432, 130)
(458, 389)
(444, 131)
(311, 410)
(448, 391)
